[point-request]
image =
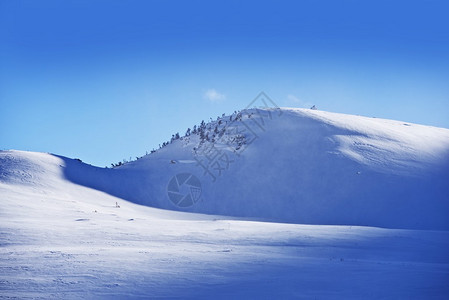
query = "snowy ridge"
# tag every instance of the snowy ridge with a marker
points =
(298, 166)
(293, 165)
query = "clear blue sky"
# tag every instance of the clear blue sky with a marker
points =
(106, 80)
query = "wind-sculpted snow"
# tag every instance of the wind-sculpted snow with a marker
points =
(387, 145)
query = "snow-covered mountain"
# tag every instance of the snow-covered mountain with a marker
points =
(294, 165)
(62, 235)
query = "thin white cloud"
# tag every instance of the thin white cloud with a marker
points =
(293, 100)
(213, 96)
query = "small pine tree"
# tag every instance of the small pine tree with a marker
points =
(222, 131)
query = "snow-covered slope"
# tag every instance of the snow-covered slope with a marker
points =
(297, 166)
(61, 240)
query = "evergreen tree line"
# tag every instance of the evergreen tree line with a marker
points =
(208, 132)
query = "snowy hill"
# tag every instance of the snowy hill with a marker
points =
(297, 166)
(62, 235)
